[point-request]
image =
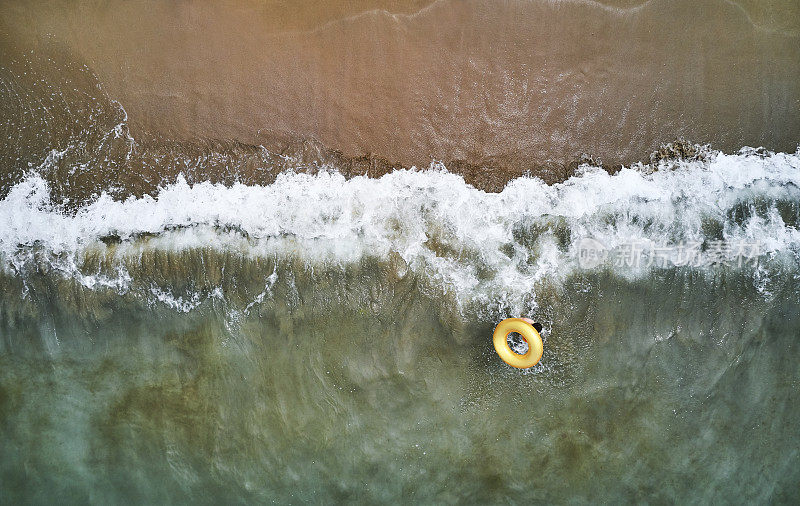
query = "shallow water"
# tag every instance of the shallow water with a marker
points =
(350, 385)
(323, 339)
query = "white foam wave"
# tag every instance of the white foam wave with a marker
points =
(478, 244)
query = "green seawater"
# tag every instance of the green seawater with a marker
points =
(353, 383)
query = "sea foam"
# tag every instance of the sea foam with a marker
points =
(478, 244)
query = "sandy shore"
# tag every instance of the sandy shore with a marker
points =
(511, 85)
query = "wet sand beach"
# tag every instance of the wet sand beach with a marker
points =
(507, 87)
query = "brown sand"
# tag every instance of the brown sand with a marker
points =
(510, 85)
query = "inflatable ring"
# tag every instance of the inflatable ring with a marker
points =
(524, 327)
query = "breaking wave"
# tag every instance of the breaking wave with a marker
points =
(480, 246)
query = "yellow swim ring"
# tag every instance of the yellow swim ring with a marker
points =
(524, 327)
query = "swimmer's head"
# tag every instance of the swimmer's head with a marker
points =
(536, 325)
